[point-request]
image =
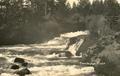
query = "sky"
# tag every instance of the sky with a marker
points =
(71, 1)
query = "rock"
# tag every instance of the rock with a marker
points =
(19, 60)
(68, 54)
(23, 72)
(14, 66)
(65, 54)
(25, 64)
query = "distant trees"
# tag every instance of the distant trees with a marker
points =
(28, 18)
(62, 9)
(107, 7)
(97, 7)
(84, 7)
(111, 7)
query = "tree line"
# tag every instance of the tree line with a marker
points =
(34, 21)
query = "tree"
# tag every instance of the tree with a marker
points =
(74, 8)
(62, 9)
(111, 7)
(97, 7)
(84, 7)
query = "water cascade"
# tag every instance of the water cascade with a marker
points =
(48, 64)
(68, 41)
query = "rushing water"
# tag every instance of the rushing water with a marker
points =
(42, 62)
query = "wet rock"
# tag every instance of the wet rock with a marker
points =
(66, 54)
(72, 41)
(19, 60)
(23, 72)
(25, 64)
(14, 66)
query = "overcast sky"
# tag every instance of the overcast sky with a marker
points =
(71, 1)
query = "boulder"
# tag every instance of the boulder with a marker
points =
(23, 72)
(14, 66)
(68, 54)
(19, 60)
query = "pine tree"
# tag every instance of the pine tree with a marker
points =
(74, 8)
(84, 7)
(97, 7)
(111, 7)
(62, 9)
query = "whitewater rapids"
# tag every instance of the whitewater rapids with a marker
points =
(41, 64)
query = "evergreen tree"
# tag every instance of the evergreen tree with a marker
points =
(74, 8)
(61, 8)
(97, 7)
(84, 7)
(111, 7)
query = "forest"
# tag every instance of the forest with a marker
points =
(36, 21)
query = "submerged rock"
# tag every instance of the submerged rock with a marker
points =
(25, 64)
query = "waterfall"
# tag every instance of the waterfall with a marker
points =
(65, 42)
(68, 41)
(47, 64)
(74, 48)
